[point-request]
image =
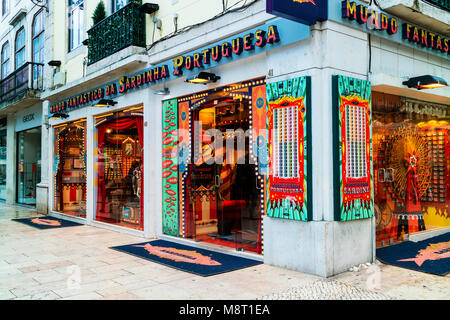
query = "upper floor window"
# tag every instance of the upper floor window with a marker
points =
(38, 37)
(4, 7)
(20, 48)
(118, 4)
(37, 34)
(76, 23)
(5, 60)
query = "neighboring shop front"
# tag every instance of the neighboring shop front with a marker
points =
(3, 135)
(28, 154)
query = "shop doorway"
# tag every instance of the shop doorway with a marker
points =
(411, 152)
(223, 192)
(28, 165)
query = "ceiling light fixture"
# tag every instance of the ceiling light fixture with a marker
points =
(202, 77)
(425, 82)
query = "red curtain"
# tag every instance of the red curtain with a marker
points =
(119, 124)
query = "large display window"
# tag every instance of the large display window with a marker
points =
(119, 160)
(70, 163)
(411, 150)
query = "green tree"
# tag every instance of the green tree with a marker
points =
(99, 13)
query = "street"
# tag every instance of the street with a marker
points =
(75, 263)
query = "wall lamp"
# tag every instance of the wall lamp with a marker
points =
(149, 8)
(54, 63)
(163, 92)
(106, 103)
(59, 115)
(202, 77)
(425, 82)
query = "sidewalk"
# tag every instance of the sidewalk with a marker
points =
(47, 264)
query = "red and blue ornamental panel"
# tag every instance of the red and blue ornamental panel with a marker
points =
(352, 139)
(170, 167)
(304, 11)
(288, 121)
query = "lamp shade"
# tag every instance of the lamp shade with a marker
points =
(425, 82)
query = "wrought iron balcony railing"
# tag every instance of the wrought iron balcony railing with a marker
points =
(444, 4)
(124, 28)
(27, 77)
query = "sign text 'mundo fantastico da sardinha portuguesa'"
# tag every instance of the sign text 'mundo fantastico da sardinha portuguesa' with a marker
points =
(277, 33)
(382, 22)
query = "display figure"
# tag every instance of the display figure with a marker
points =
(137, 181)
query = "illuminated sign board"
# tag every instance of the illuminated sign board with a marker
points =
(304, 11)
(278, 33)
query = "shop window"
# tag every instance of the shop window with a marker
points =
(20, 48)
(76, 23)
(120, 169)
(411, 151)
(28, 165)
(70, 163)
(5, 60)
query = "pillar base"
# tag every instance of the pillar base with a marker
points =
(321, 248)
(42, 198)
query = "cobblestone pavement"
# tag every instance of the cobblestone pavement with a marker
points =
(43, 264)
(327, 290)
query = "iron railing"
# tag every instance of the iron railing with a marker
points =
(27, 77)
(444, 4)
(124, 28)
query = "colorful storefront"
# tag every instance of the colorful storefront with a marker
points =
(291, 155)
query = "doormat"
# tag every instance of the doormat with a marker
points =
(201, 262)
(430, 255)
(47, 222)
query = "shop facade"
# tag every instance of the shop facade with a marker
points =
(288, 153)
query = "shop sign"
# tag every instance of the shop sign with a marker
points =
(304, 11)
(424, 38)
(29, 118)
(389, 26)
(269, 36)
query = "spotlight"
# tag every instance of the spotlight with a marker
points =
(106, 103)
(425, 82)
(163, 92)
(203, 77)
(59, 115)
(149, 8)
(54, 63)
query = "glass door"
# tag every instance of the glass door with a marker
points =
(28, 165)
(223, 192)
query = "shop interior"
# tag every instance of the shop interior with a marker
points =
(411, 153)
(120, 169)
(222, 194)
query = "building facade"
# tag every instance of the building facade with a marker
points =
(22, 43)
(295, 136)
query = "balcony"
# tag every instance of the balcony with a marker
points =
(431, 14)
(122, 29)
(24, 83)
(444, 4)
